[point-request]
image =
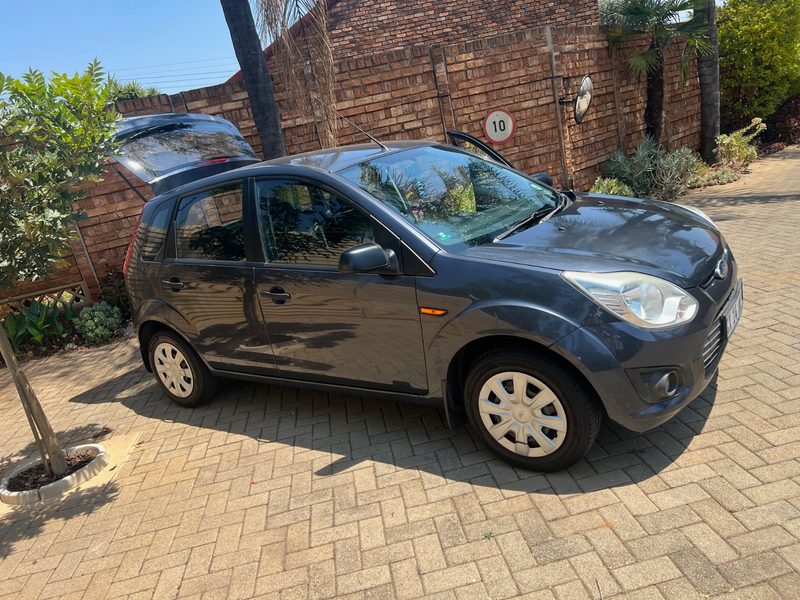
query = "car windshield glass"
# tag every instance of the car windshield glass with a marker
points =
(455, 198)
(162, 150)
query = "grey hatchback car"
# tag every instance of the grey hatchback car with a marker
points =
(422, 272)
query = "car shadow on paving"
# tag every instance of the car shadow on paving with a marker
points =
(344, 431)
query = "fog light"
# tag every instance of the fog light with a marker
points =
(663, 384)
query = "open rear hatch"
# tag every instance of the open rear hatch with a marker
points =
(171, 150)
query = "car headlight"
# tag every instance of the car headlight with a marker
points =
(642, 300)
(698, 212)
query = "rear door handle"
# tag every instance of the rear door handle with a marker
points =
(173, 283)
(277, 295)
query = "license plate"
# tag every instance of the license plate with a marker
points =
(733, 311)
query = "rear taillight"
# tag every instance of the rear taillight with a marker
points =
(130, 247)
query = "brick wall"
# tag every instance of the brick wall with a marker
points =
(421, 92)
(359, 27)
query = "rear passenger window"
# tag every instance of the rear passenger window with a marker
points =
(155, 232)
(209, 225)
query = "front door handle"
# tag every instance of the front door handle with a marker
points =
(277, 295)
(173, 283)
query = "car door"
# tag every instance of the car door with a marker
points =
(359, 329)
(208, 280)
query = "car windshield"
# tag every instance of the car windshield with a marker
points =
(455, 198)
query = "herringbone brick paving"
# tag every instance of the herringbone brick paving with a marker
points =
(279, 493)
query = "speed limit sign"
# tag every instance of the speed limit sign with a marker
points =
(499, 125)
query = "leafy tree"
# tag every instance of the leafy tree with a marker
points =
(660, 23)
(129, 90)
(759, 46)
(55, 135)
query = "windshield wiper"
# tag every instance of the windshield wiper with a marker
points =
(539, 216)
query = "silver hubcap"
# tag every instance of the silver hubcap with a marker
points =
(522, 414)
(174, 370)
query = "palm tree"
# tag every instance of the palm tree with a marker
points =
(256, 76)
(660, 23)
(297, 33)
(708, 71)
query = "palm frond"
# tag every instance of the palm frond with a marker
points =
(642, 62)
(697, 46)
(303, 56)
(679, 6)
(696, 26)
(617, 36)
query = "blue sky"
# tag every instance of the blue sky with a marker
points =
(172, 44)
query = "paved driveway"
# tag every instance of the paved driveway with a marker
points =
(281, 493)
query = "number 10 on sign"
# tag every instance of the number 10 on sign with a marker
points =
(499, 126)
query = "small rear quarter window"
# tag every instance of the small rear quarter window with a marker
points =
(155, 231)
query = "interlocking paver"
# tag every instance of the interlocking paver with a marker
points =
(286, 493)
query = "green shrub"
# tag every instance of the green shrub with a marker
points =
(97, 323)
(652, 172)
(759, 57)
(718, 175)
(734, 150)
(36, 323)
(611, 187)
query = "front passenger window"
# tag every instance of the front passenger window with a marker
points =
(304, 224)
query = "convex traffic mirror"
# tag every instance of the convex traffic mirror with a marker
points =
(584, 99)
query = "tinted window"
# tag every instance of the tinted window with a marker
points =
(303, 224)
(209, 225)
(155, 232)
(456, 199)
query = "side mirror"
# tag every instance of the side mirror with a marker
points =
(366, 258)
(543, 178)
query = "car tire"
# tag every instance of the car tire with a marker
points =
(548, 427)
(183, 377)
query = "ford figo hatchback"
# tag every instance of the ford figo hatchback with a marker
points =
(423, 272)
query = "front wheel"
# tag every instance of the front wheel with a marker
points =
(180, 373)
(530, 409)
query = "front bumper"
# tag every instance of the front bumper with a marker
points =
(617, 358)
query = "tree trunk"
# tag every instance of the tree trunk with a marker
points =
(655, 102)
(256, 76)
(33, 409)
(708, 71)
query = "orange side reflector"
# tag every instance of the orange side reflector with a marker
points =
(436, 312)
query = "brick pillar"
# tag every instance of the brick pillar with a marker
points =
(439, 63)
(615, 80)
(556, 86)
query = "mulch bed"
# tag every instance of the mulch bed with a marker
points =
(35, 477)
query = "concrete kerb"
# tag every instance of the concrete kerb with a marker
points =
(57, 488)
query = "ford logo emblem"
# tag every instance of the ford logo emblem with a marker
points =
(721, 271)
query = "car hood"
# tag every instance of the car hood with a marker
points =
(608, 233)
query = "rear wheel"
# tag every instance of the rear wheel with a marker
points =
(179, 372)
(530, 409)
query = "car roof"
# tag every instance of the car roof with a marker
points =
(329, 160)
(336, 159)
